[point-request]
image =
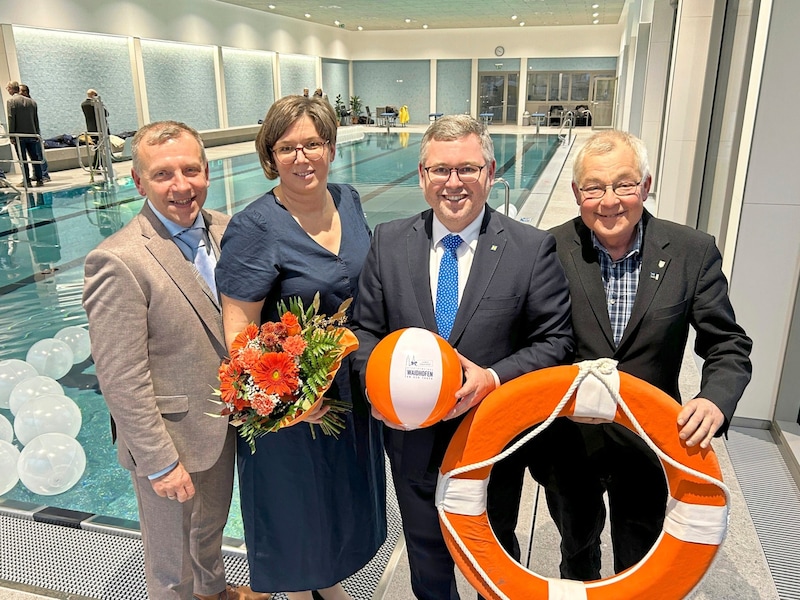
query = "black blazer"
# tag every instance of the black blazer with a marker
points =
(681, 284)
(514, 315)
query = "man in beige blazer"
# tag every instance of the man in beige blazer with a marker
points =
(157, 342)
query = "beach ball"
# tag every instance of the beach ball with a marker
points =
(77, 338)
(412, 377)
(30, 388)
(51, 413)
(9, 455)
(6, 430)
(12, 371)
(50, 357)
(51, 464)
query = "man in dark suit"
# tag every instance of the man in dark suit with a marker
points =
(23, 118)
(89, 107)
(157, 342)
(637, 284)
(511, 317)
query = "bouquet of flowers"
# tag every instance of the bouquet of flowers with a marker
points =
(280, 371)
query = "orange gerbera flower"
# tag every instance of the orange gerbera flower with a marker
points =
(248, 333)
(276, 373)
(291, 323)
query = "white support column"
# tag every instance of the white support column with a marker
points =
(219, 76)
(139, 86)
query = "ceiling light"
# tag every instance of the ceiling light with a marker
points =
(513, 17)
(308, 16)
(522, 23)
(408, 20)
(596, 21)
(595, 15)
(271, 6)
(424, 26)
(360, 28)
(595, 6)
(336, 22)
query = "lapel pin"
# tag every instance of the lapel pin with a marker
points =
(661, 264)
(654, 276)
(494, 247)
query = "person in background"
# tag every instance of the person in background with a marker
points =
(151, 283)
(25, 91)
(506, 312)
(318, 92)
(637, 284)
(305, 92)
(313, 509)
(92, 127)
(23, 118)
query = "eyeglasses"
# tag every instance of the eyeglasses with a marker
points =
(467, 173)
(286, 155)
(620, 188)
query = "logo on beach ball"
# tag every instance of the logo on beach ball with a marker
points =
(412, 377)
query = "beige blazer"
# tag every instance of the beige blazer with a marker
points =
(157, 343)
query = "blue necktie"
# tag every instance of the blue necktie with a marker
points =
(447, 287)
(195, 239)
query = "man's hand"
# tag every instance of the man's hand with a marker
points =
(478, 382)
(175, 485)
(699, 420)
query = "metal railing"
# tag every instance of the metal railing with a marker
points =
(568, 121)
(22, 165)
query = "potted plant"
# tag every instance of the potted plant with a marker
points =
(341, 110)
(355, 108)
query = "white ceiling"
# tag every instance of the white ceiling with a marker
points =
(374, 15)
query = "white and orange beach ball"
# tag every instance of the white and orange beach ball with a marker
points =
(412, 377)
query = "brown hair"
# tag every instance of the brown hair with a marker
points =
(282, 115)
(159, 133)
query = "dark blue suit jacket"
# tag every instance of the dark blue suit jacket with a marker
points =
(514, 315)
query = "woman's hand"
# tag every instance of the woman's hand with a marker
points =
(316, 414)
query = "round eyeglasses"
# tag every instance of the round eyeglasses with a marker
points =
(467, 173)
(286, 155)
(620, 188)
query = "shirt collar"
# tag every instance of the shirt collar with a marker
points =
(172, 227)
(469, 234)
(635, 250)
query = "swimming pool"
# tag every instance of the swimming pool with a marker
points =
(58, 229)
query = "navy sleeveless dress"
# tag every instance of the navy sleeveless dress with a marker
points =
(314, 510)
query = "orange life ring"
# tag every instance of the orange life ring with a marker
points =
(697, 510)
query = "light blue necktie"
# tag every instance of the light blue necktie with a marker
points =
(201, 255)
(447, 287)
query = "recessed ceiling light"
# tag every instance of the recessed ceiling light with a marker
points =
(271, 6)
(522, 23)
(360, 28)
(595, 6)
(308, 16)
(336, 22)
(424, 26)
(408, 20)
(513, 17)
(595, 14)
(596, 21)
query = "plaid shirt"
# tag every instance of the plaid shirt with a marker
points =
(621, 281)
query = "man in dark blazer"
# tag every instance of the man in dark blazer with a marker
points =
(157, 343)
(637, 284)
(90, 106)
(512, 317)
(23, 118)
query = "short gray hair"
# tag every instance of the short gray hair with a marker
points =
(606, 141)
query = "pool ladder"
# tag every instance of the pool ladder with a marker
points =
(508, 193)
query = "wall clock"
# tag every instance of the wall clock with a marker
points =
(499, 51)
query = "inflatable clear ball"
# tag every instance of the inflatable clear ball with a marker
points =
(9, 455)
(12, 371)
(30, 388)
(77, 338)
(6, 430)
(51, 464)
(51, 357)
(51, 413)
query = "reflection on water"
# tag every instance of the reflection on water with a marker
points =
(44, 238)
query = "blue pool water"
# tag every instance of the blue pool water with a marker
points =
(58, 229)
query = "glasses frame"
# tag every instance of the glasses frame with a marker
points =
(300, 148)
(613, 187)
(449, 174)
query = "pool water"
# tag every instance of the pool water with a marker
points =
(55, 230)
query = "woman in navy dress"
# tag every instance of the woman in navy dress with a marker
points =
(314, 510)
